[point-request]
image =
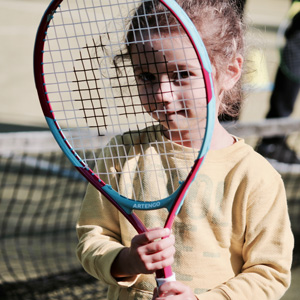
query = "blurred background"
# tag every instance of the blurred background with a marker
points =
(39, 194)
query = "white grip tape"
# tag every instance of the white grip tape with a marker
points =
(161, 281)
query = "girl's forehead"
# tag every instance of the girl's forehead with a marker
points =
(156, 48)
(162, 39)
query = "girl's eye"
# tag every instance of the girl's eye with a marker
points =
(146, 77)
(179, 75)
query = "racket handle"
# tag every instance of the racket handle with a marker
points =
(161, 281)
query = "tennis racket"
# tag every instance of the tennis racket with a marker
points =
(288, 41)
(124, 82)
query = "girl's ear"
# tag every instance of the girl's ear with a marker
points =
(233, 73)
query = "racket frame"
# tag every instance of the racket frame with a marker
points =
(126, 206)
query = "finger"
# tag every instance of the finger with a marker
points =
(172, 288)
(160, 245)
(151, 267)
(157, 233)
(150, 236)
(162, 255)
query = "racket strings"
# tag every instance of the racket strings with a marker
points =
(96, 95)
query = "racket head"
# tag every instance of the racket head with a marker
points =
(92, 101)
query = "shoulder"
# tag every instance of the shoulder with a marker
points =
(259, 166)
(241, 159)
(257, 169)
(260, 181)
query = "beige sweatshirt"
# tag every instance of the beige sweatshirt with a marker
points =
(233, 235)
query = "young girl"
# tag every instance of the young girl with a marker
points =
(232, 237)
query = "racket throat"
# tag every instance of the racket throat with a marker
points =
(183, 189)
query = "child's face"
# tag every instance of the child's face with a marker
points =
(170, 83)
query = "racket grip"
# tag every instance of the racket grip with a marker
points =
(161, 281)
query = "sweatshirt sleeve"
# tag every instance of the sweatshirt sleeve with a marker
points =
(99, 234)
(267, 250)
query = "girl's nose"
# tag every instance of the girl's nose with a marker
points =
(165, 91)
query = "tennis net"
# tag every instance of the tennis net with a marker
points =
(40, 198)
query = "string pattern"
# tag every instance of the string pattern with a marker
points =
(121, 77)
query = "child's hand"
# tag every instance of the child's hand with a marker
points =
(148, 253)
(173, 290)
